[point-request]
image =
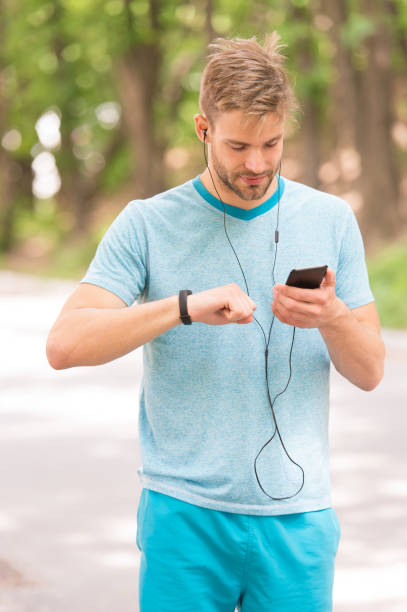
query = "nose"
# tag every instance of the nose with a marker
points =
(255, 162)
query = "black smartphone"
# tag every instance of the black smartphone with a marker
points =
(306, 278)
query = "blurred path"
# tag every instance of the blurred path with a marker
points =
(69, 488)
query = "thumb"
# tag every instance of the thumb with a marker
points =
(329, 279)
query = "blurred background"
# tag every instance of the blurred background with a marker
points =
(96, 105)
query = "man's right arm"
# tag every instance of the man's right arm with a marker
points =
(95, 325)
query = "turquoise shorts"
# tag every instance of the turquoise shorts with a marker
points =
(195, 559)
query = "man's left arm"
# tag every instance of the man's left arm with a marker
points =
(352, 336)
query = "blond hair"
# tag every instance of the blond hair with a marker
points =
(243, 75)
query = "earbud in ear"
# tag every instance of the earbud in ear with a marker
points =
(204, 133)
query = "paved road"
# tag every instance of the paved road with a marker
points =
(69, 488)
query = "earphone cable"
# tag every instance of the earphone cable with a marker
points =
(271, 402)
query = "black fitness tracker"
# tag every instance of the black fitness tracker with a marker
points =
(184, 316)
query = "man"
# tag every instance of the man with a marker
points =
(216, 529)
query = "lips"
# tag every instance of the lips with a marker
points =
(250, 180)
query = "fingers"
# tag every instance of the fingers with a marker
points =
(301, 295)
(293, 307)
(241, 306)
(329, 279)
(246, 307)
(245, 321)
(238, 315)
(290, 317)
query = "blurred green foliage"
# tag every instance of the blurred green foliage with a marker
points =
(67, 55)
(388, 280)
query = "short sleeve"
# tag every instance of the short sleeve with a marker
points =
(119, 264)
(352, 280)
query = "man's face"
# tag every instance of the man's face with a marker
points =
(245, 153)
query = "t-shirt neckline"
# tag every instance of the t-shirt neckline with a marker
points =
(235, 211)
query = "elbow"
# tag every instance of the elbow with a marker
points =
(369, 387)
(56, 357)
(373, 382)
(378, 374)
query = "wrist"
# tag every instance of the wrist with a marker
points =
(340, 313)
(192, 307)
(173, 304)
(184, 313)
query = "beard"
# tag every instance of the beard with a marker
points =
(248, 192)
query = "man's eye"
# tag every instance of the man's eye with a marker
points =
(237, 148)
(271, 145)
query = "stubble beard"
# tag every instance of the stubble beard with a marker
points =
(249, 193)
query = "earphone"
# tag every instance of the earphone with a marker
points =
(276, 240)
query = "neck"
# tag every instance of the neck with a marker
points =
(230, 197)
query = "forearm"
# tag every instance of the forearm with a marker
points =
(92, 336)
(356, 351)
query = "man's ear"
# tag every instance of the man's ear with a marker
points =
(201, 124)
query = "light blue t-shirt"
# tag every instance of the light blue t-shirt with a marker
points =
(203, 408)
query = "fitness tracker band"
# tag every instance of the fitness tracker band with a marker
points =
(184, 316)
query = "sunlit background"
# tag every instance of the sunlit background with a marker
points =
(96, 106)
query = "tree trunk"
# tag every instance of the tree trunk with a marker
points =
(311, 144)
(138, 77)
(343, 88)
(363, 117)
(310, 135)
(380, 179)
(210, 32)
(9, 175)
(79, 192)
